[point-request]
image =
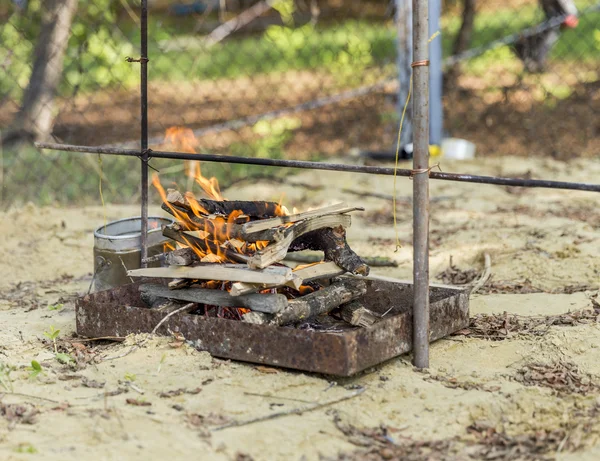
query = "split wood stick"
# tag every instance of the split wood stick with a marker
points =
(257, 318)
(264, 224)
(275, 252)
(355, 313)
(178, 257)
(260, 210)
(175, 232)
(268, 303)
(302, 275)
(322, 301)
(372, 261)
(333, 243)
(177, 284)
(243, 288)
(222, 272)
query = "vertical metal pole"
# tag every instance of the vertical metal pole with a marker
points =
(144, 130)
(404, 49)
(421, 184)
(436, 113)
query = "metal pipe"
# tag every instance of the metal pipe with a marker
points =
(420, 101)
(436, 110)
(386, 171)
(144, 130)
(404, 58)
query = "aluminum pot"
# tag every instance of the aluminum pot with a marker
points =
(117, 249)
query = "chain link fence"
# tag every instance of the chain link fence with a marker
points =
(300, 79)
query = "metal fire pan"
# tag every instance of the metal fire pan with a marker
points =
(344, 352)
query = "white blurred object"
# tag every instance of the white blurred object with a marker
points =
(459, 149)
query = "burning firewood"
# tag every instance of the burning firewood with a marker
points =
(269, 303)
(215, 232)
(321, 301)
(277, 251)
(187, 204)
(175, 232)
(302, 275)
(264, 230)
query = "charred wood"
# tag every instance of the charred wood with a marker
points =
(275, 252)
(268, 303)
(257, 210)
(321, 302)
(332, 242)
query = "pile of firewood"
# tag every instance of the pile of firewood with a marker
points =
(230, 263)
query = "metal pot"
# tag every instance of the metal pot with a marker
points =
(117, 249)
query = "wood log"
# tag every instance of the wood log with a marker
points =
(321, 302)
(355, 313)
(257, 210)
(333, 243)
(301, 275)
(268, 303)
(275, 252)
(222, 272)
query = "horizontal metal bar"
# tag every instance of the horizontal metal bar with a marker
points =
(498, 181)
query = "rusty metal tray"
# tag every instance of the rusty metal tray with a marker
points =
(343, 352)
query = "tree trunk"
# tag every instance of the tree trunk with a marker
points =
(462, 41)
(36, 116)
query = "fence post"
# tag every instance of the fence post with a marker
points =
(436, 111)
(420, 67)
(404, 50)
(144, 130)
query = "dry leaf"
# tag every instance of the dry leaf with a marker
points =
(138, 403)
(267, 369)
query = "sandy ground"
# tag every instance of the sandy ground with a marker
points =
(480, 396)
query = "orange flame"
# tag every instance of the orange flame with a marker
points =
(184, 140)
(214, 232)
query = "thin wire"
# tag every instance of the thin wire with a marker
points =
(100, 190)
(398, 245)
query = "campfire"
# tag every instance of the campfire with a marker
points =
(228, 257)
(224, 284)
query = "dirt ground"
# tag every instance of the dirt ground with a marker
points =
(519, 383)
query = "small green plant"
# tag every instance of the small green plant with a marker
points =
(52, 334)
(64, 358)
(26, 448)
(5, 380)
(130, 377)
(163, 359)
(55, 307)
(35, 369)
